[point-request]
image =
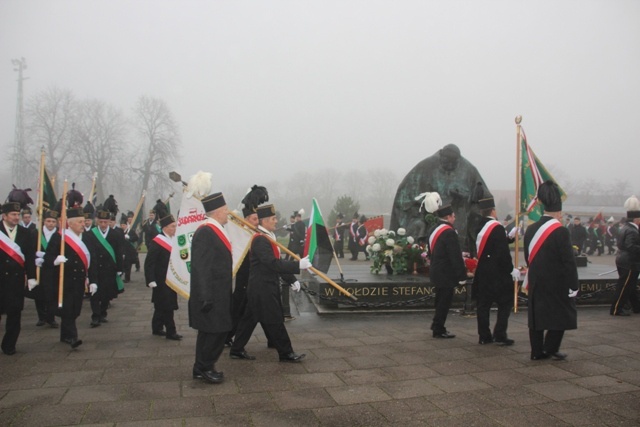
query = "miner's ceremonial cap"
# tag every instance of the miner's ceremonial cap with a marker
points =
(213, 202)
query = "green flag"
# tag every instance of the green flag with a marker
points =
(49, 199)
(317, 245)
(532, 174)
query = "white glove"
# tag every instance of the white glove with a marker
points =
(512, 233)
(152, 284)
(59, 260)
(296, 286)
(305, 263)
(126, 236)
(39, 262)
(462, 282)
(119, 273)
(32, 283)
(573, 294)
(515, 274)
(93, 288)
(40, 254)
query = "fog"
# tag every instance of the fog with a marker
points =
(265, 90)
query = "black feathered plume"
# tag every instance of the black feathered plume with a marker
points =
(74, 197)
(110, 205)
(20, 196)
(89, 208)
(161, 209)
(123, 218)
(58, 206)
(255, 197)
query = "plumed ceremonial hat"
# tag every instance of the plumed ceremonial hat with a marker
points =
(123, 218)
(488, 203)
(49, 213)
(129, 214)
(110, 204)
(20, 196)
(432, 203)
(75, 212)
(632, 206)
(266, 211)
(160, 209)
(74, 197)
(213, 202)
(10, 207)
(355, 216)
(102, 214)
(169, 219)
(340, 215)
(549, 196)
(26, 210)
(256, 196)
(362, 219)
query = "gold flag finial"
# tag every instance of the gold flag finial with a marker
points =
(518, 119)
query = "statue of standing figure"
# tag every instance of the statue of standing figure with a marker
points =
(456, 180)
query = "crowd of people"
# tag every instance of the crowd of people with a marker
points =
(595, 235)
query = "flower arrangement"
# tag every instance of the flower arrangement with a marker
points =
(394, 250)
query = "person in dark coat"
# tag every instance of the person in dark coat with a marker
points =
(361, 237)
(42, 294)
(150, 227)
(338, 235)
(130, 245)
(17, 264)
(353, 245)
(494, 275)
(164, 299)
(78, 268)
(551, 278)
(578, 234)
(26, 221)
(447, 265)
(263, 292)
(628, 261)
(211, 286)
(108, 263)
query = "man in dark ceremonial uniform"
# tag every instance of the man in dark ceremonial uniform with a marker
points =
(578, 234)
(17, 265)
(78, 267)
(263, 292)
(108, 262)
(131, 240)
(42, 295)
(26, 222)
(552, 278)
(628, 261)
(150, 227)
(447, 266)
(88, 211)
(164, 299)
(361, 237)
(353, 246)
(338, 235)
(211, 287)
(494, 276)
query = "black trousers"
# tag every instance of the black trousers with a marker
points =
(68, 329)
(504, 301)
(444, 296)
(238, 307)
(338, 245)
(284, 295)
(44, 309)
(163, 319)
(208, 350)
(126, 267)
(98, 308)
(276, 334)
(11, 330)
(626, 291)
(548, 343)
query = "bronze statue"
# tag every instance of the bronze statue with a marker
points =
(456, 180)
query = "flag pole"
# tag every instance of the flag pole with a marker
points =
(139, 206)
(293, 255)
(63, 226)
(517, 209)
(93, 187)
(40, 210)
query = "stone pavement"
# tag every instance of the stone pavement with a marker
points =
(365, 369)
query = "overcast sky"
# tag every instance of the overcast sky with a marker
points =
(264, 89)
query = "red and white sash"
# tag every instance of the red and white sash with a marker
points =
(12, 249)
(163, 241)
(436, 234)
(78, 247)
(220, 234)
(536, 243)
(274, 247)
(483, 236)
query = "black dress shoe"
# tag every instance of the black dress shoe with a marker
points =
(175, 337)
(541, 356)
(159, 333)
(485, 341)
(209, 376)
(445, 334)
(9, 351)
(505, 341)
(103, 320)
(228, 343)
(292, 357)
(75, 343)
(95, 323)
(241, 355)
(559, 356)
(40, 323)
(53, 325)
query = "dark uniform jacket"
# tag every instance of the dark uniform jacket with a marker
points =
(265, 271)
(155, 270)
(551, 276)
(629, 245)
(149, 229)
(43, 291)
(106, 267)
(13, 276)
(211, 281)
(447, 266)
(296, 240)
(130, 251)
(493, 274)
(75, 275)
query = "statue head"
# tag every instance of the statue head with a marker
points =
(449, 157)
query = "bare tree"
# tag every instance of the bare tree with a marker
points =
(158, 153)
(99, 140)
(49, 117)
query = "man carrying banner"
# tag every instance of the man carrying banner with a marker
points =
(263, 292)
(42, 295)
(211, 286)
(164, 299)
(494, 276)
(77, 268)
(552, 278)
(17, 263)
(131, 241)
(108, 263)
